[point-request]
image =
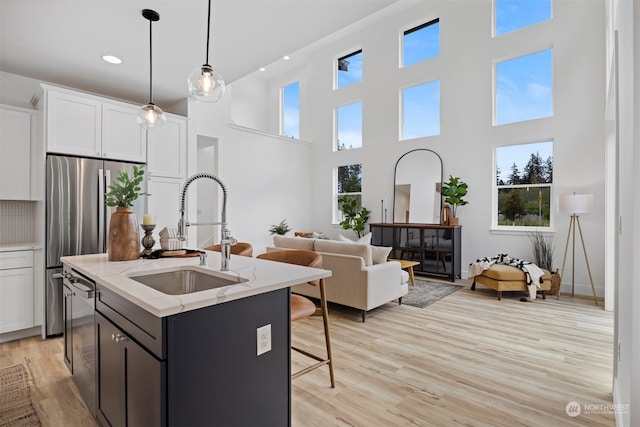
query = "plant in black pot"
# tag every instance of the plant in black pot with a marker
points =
(123, 241)
(453, 192)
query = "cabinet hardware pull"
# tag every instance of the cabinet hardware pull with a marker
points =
(118, 337)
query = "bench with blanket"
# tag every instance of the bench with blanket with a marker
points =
(504, 273)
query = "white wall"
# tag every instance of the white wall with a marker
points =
(623, 101)
(467, 139)
(267, 176)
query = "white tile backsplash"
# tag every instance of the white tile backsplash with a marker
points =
(17, 221)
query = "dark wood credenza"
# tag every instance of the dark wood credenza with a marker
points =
(435, 247)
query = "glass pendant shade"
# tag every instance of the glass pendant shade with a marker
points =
(206, 84)
(150, 116)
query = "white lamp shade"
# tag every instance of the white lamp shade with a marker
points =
(575, 203)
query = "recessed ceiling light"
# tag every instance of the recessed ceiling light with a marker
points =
(112, 59)
(286, 57)
(262, 69)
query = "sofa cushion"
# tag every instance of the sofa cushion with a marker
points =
(293, 242)
(366, 239)
(379, 254)
(345, 248)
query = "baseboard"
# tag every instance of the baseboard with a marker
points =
(16, 335)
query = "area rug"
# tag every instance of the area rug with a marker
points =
(425, 292)
(16, 408)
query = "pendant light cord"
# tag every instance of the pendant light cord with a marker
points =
(208, 30)
(150, 63)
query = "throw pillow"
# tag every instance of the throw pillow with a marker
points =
(379, 254)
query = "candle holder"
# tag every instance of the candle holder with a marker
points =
(148, 240)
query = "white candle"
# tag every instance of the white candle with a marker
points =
(148, 219)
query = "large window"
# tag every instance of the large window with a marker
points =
(349, 186)
(290, 111)
(421, 43)
(421, 110)
(349, 126)
(512, 15)
(524, 88)
(524, 179)
(349, 69)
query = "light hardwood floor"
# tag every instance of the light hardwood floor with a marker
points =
(466, 360)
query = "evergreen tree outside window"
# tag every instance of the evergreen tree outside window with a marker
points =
(290, 111)
(349, 184)
(524, 180)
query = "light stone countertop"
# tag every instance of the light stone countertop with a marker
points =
(263, 276)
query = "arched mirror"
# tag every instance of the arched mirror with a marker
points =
(417, 182)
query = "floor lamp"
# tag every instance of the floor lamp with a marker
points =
(575, 204)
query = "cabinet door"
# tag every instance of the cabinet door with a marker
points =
(16, 299)
(73, 124)
(131, 382)
(15, 154)
(163, 202)
(168, 149)
(144, 385)
(110, 372)
(122, 137)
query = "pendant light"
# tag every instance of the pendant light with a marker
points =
(150, 116)
(205, 83)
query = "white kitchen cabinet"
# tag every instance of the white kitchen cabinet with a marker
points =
(87, 125)
(15, 154)
(16, 291)
(163, 202)
(168, 149)
(122, 137)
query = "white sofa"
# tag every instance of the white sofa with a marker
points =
(356, 281)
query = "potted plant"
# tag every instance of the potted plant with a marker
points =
(453, 192)
(355, 216)
(123, 241)
(543, 249)
(280, 229)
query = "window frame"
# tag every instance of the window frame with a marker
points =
(495, 85)
(336, 123)
(401, 130)
(337, 58)
(521, 230)
(282, 110)
(424, 23)
(337, 213)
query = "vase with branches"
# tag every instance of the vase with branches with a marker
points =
(543, 251)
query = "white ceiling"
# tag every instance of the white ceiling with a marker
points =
(62, 41)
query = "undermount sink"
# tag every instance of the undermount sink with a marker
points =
(184, 280)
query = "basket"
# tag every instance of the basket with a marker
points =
(555, 283)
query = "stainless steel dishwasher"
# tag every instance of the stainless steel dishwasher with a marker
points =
(79, 333)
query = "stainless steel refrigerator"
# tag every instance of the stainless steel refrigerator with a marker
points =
(77, 219)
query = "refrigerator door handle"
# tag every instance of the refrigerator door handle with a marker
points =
(101, 209)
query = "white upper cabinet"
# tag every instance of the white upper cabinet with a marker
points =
(122, 137)
(168, 149)
(15, 154)
(87, 125)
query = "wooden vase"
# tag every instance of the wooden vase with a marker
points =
(453, 220)
(123, 241)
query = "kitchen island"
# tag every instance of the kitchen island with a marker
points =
(193, 358)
